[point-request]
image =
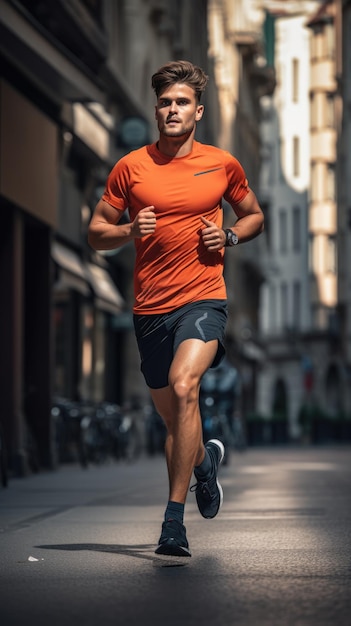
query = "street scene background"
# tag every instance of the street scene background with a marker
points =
(75, 96)
(82, 468)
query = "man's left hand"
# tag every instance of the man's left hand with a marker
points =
(212, 236)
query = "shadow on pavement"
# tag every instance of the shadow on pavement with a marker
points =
(137, 551)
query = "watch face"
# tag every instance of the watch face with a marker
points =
(232, 238)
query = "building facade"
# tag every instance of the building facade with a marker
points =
(343, 194)
(304, 379)
(75, 95)
(243, 75)
(285, 178)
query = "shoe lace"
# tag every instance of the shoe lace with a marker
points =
(205, 488)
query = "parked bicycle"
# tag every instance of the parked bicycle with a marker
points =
(94, 433)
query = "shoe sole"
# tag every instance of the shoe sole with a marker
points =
(220, 445)
(171, 548)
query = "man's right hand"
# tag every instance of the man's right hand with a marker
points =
(144, 223)
(105, 232)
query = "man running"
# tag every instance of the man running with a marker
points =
(173, 191)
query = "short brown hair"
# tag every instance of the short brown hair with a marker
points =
(179, 72)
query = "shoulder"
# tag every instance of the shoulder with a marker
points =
(237, 184)
(221, 155)
(135, 156)
(129, 163)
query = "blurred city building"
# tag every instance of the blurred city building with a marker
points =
(343, 194)
(304, 378)
(240, 38)
(75, 95)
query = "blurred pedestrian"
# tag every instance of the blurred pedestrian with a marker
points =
(173, 190)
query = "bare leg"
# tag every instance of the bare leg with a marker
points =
(178, 405)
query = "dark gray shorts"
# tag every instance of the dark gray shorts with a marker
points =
(159, 336)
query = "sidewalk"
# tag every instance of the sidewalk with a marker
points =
(46, 493)
(77, 546)
(40, 495)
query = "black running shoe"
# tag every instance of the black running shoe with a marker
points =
(173, 541)
(208, 491)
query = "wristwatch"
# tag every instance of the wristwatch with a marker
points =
(231, 238)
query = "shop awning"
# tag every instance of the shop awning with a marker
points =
(107, 296)
(72, 273)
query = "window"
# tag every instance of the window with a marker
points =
(295, 80)
(323, 42)
(283, 231)
(272, 165)
(329, 41)
(267, 210)
(316, 43)
(296, 304)
(281, 159)
(268, 164)
(269, 36)
(284, 304)
(296, 230)
(314, 111)
(331, 255)
(330, 183)
(296, 156)
(330, 111)
(272, 307)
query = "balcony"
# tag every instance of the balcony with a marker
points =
(323, 145)
(323, 76)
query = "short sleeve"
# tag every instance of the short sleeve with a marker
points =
(116, 189)
(238, 186)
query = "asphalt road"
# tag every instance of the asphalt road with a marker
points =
(77, 546)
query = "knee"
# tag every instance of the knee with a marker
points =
(185, 389)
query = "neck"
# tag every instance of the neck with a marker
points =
(176, 146)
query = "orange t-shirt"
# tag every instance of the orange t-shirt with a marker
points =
(172, 266)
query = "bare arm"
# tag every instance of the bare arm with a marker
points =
(249, 224)
(105, 232)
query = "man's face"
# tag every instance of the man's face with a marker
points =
(177, 110)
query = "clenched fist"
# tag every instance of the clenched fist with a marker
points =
(145, 222)
(212, 236)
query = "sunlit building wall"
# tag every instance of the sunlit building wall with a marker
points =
(285, 180)
(242, 76)
(322, 223)
(343, 56)
(304, 315)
